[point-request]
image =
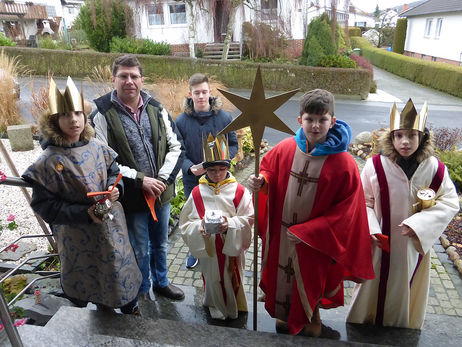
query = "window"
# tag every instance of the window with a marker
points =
(439, 23)
(433, 58)
(460, 60)
(155, 14)
(412, 54)
(428, 27)
(422, 57)
(71, 10)
(51, 11)
(269, 9)
(177, 14)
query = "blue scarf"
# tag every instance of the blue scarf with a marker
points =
(338, 139)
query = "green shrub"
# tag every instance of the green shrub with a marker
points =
(123, 45)
(337, 61)
(440, 76)
(318, 42)
(6, 41)
(178, 201)
(400, 36)
(354, 31)
(136, 46)
(47, 43)
(453, 161)
(102, 20)
(199, 52)
(155, 48)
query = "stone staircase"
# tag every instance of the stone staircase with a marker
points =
(187, 323)
(215, 51)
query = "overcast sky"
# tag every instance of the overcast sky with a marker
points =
(369, 5)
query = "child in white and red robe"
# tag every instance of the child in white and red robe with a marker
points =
(312, 219)
(221, 255)
(398, 295)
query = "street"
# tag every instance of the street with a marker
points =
(361, 115)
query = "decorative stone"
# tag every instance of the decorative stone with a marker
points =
(453, 255)
(450, 249)
(20, 137)
(444, 242)
(359, 153)
(363, 137)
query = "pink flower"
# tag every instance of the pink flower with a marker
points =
(1, 327)
(2, 176)
(13, 247)
(20, 322)
(11, 217)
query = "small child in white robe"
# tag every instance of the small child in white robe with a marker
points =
(221, 253)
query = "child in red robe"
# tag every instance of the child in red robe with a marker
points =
(312, 219)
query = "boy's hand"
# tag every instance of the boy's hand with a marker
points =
(255, 183)
(202, 230)
(293, 238)
(197, 170)
(406, 231)
(223, 227)
(153, 186)
(91, 213)
(114, 196)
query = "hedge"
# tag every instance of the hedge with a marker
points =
(354, 31)
(400, 36)
(231, 74)
(440, 76)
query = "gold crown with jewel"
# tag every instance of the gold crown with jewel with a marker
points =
(215, 149)
(408, 118)
(67, 101)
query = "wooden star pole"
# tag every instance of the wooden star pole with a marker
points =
(258, 113)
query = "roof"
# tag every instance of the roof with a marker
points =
(434, 6)
(13, 11)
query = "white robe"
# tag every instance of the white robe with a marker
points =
(236, 240)
(405, 305)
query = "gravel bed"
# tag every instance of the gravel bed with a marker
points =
(12, 200)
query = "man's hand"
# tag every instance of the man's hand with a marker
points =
(114, 196)
(91, 213)
(153, 186)
(255, 183)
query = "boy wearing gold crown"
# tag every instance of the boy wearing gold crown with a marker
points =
(410, 200)
(216, 224)
(97, 262)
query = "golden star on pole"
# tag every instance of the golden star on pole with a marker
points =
(257, 112)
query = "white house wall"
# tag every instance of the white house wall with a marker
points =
(447, 46)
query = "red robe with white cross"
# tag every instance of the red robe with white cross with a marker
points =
(320, 200)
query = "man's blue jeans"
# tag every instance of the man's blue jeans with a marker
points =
(149, 240)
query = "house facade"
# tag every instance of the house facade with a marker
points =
(21, 19)
(433, 31)
(183, 24)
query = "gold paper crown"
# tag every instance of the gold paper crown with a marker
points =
(70, 100)
(215, 149)
(408, 118)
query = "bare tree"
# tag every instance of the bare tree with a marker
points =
(346, 8)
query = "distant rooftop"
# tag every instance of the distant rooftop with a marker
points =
(434, 6)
